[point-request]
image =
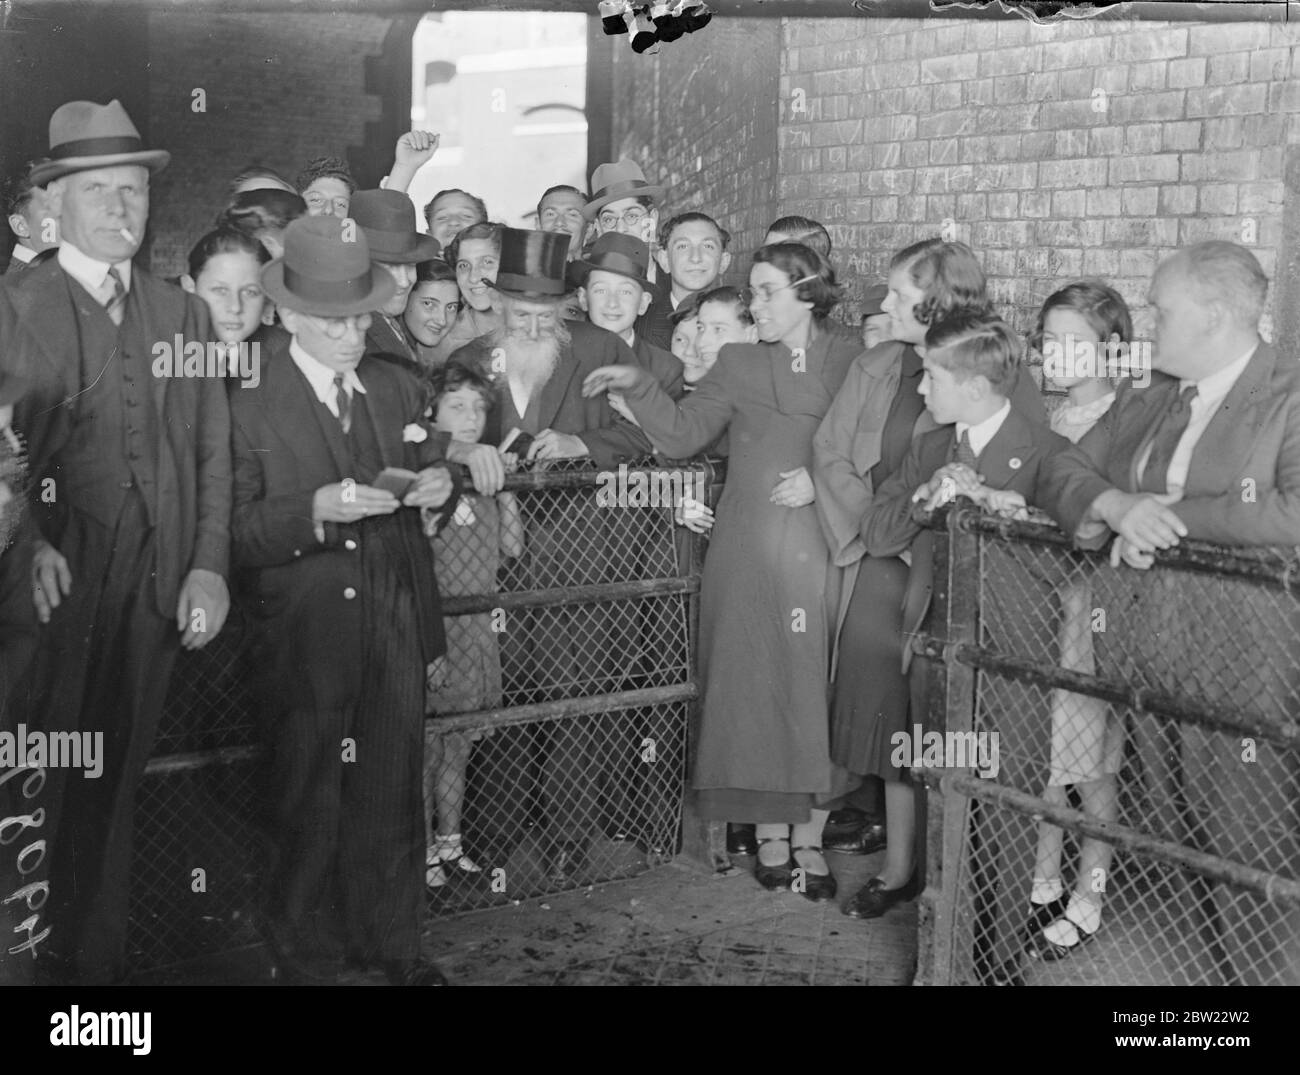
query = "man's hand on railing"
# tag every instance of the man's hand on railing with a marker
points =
(1129, 553)
(1140, 519)
(1003, 501)
(947, 484)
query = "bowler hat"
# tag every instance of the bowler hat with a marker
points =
(388, 219)
(85, 135)
(612, 252)
(612, 182)
(532, 263)
(873, 299)
(326, 270)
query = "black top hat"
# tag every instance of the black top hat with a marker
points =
(326, 270)
(532, 263)
(388, 219)
(612, 252)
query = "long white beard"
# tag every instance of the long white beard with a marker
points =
(531, 363)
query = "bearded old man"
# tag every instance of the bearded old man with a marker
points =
(537, 362)
(134, 542)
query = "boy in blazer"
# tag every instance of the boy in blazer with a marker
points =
(345, 607)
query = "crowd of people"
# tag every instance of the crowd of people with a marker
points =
(403, 373)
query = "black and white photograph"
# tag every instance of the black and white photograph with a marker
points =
(555, 493)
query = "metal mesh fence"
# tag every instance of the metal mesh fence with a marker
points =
(1136, 814)
(556, 741)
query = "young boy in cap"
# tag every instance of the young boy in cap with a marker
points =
(345, 607)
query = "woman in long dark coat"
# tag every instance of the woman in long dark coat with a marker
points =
(864, 438)
(769, 591)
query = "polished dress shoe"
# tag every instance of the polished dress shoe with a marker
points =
(817, 887)
(873, 899)
(866, 839)
(847, 817)
(417, 972)
(1039, 947)
(741, 840)
(774, 877)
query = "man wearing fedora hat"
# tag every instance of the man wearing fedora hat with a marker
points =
(345, 605)
(133, 548)
(388, 219)
(623, 201)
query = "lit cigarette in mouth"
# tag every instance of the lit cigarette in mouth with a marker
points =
(126, 234)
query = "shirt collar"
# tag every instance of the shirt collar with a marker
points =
(1219, 384)
(628, 337)
(89, 272)
(320, 376)
(981, 434)
(22, 253)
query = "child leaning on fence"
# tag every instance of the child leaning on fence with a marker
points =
(1075, 327)
(467, 552)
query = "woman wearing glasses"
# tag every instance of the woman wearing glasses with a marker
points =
(768, 588)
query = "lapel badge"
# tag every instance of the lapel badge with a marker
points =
(1014, 463)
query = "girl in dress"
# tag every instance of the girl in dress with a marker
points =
(767, 590)
(1075, 326)
(467, 553)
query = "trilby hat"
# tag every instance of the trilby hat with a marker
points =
(388, 219)
(326, 270)
(85, 135)
(613, 182)
(613, 252)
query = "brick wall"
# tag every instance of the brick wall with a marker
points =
(281, 89)
(700, 117)
(1059, 150)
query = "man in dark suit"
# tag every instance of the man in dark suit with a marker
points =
(1209, 449)
(346, 609)
(538, 362)
(388, 219)
(35, 231)
(131, 496)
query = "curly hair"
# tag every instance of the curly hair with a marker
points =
(798, 261)
(1096, 302)
(325, 167)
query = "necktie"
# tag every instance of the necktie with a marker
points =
(116, 304)
(965, 453)
(1168, 433)
(344, 403)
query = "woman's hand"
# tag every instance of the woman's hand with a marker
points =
(695, 515)
(795, 490)
(610, 379)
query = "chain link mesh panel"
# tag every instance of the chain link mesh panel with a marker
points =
(556, 741)
(1224, 800)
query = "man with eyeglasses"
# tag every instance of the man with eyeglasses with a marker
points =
(623, 202)
(560, 209)
(345, 610)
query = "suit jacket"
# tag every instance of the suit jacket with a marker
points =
(383, 342)
(847, 448)
(610, 439)
(655, 325)
(299, 586)
(1013, 459)
(193, 447)
(1252, 443)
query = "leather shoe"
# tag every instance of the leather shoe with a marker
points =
(417, 972)
(866, 839)
(774, 877)
(817, 887)
(873, 899)
(741, 840)
(847, 817)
